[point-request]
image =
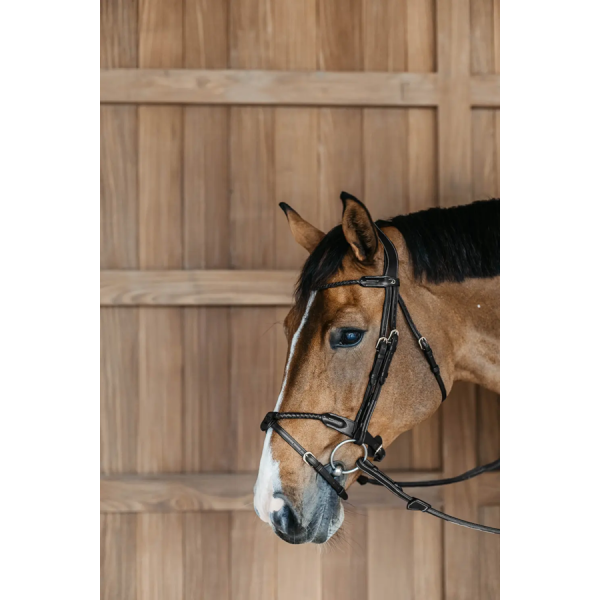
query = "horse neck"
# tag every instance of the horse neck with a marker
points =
(461, 322)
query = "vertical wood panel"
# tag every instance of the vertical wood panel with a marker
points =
(208, 424)
(161, 374)
(386, 161)
(118, 187)
(118, 556)
(385, 35)
(489, 553)
(461, 558)
(119, 389)
(391, 559)
(253, 558)
(344, 566)
(206, 552)
(253, 389)
(252, 201)
(420, 36)
(428, 551)
(294, 33)
(488, 426)
(299, 573)
(252, 44)
(339, 36)
(206, 187)
(482, 37)
(486, 176)
(160, 165)
(159, 556)
(340, 160)
(118, 34)
(161, 34)
(206, 26)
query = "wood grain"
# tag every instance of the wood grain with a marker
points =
(208, 425)
(385, 35)
(247, 87)
(482, 37)
(197, 288)
(339, 35)
(119, 389)
(118, 187)
(420, 35)
(160, 164)
(118, 34)
(159, 557)
(206, 551)
(486, 162)
(206, 28)
(489, 552)
(160, 34)
(118, 556)
(192, 492)
(206, 187)
(161, 374)
(485, 91)
(253, 558)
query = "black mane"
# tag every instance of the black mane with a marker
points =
(444, 244)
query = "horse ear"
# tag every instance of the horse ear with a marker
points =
(304, 233)
(359, 229)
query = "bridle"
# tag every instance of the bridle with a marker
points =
(357, 430)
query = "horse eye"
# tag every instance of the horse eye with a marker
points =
(348, 338)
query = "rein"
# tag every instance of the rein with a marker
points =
(357, 430)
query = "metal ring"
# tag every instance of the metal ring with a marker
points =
(341, 444)
(305, 455)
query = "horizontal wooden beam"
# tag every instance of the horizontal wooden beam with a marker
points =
(218, 491)
(197, 288)
(292, 88)
(309, 88)
(485, 91)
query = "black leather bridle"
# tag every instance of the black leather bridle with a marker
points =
(357, 430)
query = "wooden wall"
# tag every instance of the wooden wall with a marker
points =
(212, 113)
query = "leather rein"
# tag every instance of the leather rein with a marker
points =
(357, 430)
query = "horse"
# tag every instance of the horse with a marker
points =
(449, 274)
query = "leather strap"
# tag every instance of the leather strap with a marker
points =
(413, 503)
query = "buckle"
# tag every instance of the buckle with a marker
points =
(416, 504)
(378, 281)
(306, 461)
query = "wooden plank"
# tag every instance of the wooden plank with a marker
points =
(295, 35)
(340, 161)
(339, 35)
(299, 573)
(161, 34)
(160, 163)
(206, 187)
(385, 35)
(252, 43)
(486, 176)
(253, 558)
(254, 382)
(208, 426)
(118, 187)
(118, 34)
(482, 37)
(159, 557)
(118, 556)
(488, 491)
(119, 348)
(248, 87)
(391, 561)
(461, 558)
(485, 91)
(206, 551)
(253, 204)
(192, 492)
(161, 374)
(197, 288)
(206, 24)
(420, 36)
(428, 549)
(489, 556)
(345, 566)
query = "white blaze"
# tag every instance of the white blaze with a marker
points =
(268, 473)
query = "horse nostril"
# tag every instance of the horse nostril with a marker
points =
(285, 520)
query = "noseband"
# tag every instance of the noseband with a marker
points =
(357, 430)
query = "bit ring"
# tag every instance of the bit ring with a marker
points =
(335, 450)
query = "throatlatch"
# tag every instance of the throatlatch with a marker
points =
(357, 430)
